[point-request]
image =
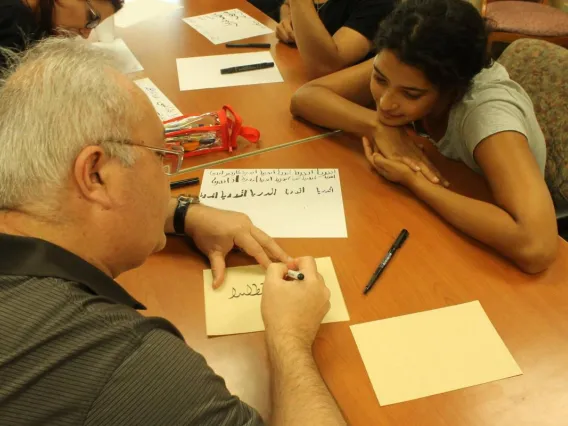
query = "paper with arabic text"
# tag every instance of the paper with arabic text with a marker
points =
(284, 203)
(164, 107)
(235, 307)
(227, 25)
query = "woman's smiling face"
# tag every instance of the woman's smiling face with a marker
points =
(402, 93)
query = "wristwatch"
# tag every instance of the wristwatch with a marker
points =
(183, 203)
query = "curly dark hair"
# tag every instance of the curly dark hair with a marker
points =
(445, 39)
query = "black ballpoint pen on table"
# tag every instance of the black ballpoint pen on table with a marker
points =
(396, 245)
(185, 182)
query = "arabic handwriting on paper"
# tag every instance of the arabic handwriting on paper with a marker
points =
(165, 109)
(325, 190)
(286, 203)
(295, 191)
(235, 307)
(221, 177)
(251, 290)
(250, 193)
(228, 18)
(246, 193)
(227, 25)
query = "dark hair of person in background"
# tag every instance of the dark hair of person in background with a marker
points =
(45, 21)
(446, 40)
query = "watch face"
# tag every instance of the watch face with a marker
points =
(191, 199)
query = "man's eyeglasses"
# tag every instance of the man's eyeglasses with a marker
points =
(172, 158)
(93, 17)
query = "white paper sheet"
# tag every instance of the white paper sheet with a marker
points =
(164, 107)
(205, 72)
(127, 61)
(235, 306)
(428, 353)
(135, 11)
(284, 203)
(228, 25)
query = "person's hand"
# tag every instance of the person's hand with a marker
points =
(392, 170)
(393, 143)
(294, 309)
(285, 31)
(215, 232)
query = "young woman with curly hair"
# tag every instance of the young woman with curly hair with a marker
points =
(432, 74)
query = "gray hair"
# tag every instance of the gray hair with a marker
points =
(56, 98)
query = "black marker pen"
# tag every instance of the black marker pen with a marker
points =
(244, 68)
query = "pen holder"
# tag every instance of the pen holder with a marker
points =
(209, 132)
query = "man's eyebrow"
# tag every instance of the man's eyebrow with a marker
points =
(412, 89)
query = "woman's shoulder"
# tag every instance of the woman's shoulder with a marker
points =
(494, 84)
(495, 104)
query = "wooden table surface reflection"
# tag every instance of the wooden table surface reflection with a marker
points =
(438, 266)
(159, 41)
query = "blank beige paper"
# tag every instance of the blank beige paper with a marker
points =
(432, 352)
(235, 307)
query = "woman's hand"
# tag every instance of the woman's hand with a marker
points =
(393, 170)
(393, 143)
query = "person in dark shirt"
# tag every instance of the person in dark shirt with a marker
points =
(23, 22)
(269, 7)
(73, 349)
(333, 34)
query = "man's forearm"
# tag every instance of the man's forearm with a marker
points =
(299, 394)
(317, 47)
(483, 221)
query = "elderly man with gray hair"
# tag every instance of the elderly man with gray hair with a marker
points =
(84, 196)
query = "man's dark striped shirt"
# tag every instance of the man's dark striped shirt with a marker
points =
(74, 351)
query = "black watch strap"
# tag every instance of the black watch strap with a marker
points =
(183, 203)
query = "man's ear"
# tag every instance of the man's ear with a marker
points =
(91, 172)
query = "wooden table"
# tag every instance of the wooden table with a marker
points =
(437, 267)
(158, 42)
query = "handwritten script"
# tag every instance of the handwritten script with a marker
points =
(164, 107)
(235, 307)
(252, 290)
(227, 25)
(285, 203)
(250, 193)
(225, 176)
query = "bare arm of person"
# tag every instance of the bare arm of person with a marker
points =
(285, 28)
(521, 225)
(341, 100)
(321, 52)
(292, 313)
